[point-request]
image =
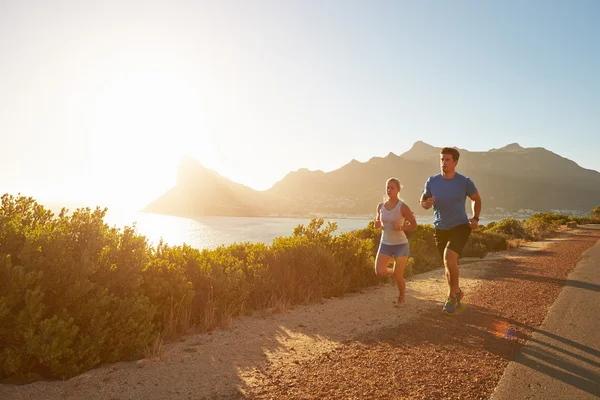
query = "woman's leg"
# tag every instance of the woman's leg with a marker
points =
(399, 274)
(381, 265)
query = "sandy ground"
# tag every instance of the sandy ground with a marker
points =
(329, 350)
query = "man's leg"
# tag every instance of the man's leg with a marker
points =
(441, 241)
(458, 240)
(451, 266)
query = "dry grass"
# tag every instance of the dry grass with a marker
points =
(210, 317)
(515, 243)
(225, 321)
(278, 305)
(409, 270)
(156, 351)
(179, 318)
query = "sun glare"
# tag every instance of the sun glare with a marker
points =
(144, 123)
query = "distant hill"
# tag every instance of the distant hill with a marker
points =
(511, 178)
(201, 191)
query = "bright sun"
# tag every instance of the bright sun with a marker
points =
(144, 123)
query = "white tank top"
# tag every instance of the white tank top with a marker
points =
(389, 235)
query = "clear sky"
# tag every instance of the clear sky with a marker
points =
(99, 100)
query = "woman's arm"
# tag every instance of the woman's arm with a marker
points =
(378, 218)
(408, 217)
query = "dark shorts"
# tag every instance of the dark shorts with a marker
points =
(454, 239)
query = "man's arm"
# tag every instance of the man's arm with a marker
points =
(426, 198)
(476, 207)
(426, 201)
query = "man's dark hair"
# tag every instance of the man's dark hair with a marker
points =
(452, 151)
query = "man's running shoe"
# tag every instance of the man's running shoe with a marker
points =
(450, 305)
(459, 297)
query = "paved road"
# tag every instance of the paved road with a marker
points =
(562, 359)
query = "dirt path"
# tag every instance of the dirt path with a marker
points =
(357, 347)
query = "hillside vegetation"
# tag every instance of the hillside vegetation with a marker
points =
(76, 293)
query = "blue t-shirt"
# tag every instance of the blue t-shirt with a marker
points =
(450, 196)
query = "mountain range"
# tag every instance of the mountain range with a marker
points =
(509, 178)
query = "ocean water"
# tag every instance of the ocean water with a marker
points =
(209, 232)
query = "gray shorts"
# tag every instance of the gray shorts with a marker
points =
(394, 250)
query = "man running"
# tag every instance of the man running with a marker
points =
(447, 193)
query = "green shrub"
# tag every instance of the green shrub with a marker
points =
(167, 286)
(550, 218)
(66, 307)
(370, 233)
(423, 250)
(541, 226)
(76, 293)
(480, 243)
(220, 285)
(509, 226)
(356, 261)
